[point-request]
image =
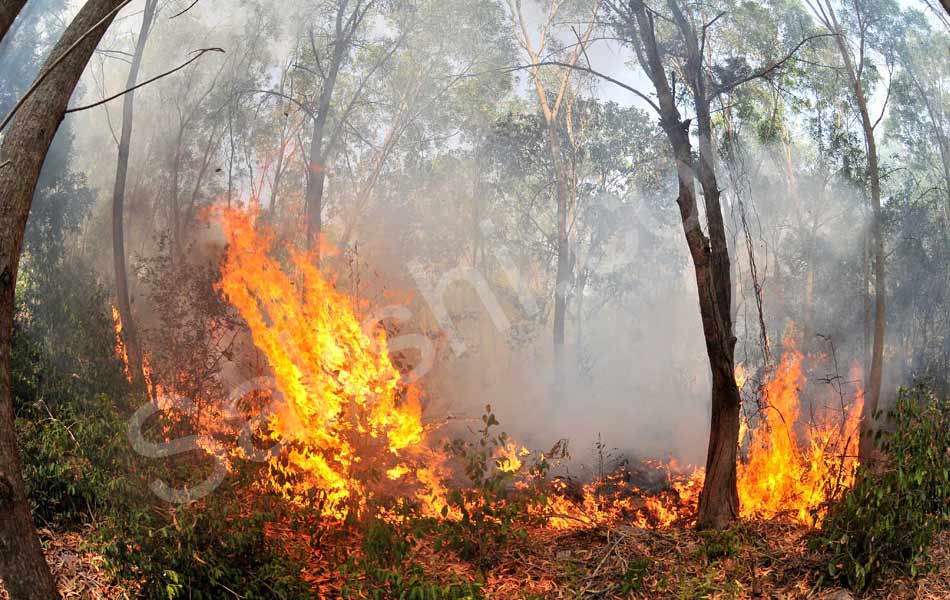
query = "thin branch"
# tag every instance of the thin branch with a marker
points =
(190, 6)
(575, 67)
(199, 54)
(42, 77)
(296, 102)
(764, 71)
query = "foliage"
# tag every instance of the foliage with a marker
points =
(68, 395)
(385, 571)
(887, 521)
(202, 550)
(492, 513)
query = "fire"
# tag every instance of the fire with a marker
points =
(793, 467)
(349, 424)
(343, 412)
(120, 351)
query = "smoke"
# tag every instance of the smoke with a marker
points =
(476, 323)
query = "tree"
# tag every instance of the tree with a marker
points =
(551, 108)
(709, 248)
(22, 567)
(9, 9)
(855, 69)
(340, 41)
(129, 331)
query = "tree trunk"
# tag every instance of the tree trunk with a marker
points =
(9, 9)
(563, 282)
(317, 168)
(719, 500)
(23, 569)
(124, 305)
(872, 394)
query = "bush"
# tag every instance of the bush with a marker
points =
(886, 522)
(385, 571)
(68, 395)
(491, 512)
(203, 551)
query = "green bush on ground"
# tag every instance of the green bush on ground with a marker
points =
(885, 524)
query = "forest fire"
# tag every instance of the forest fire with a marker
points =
(794, 467)
(352, 431)
(343, 413)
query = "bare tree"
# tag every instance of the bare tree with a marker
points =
(129, 331)
(23, 569)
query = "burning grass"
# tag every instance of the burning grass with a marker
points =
(352, 448)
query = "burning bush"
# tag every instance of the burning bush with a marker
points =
(346, 419)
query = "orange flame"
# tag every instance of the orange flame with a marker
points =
(344, 413)
(794, 467)
(120, 351)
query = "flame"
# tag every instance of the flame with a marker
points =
(343, 412)
(794, 467)
(348, 422)
(120, 352)
(509, 457)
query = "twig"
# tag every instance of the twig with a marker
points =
(199, 54)
(190, 6)
(42, 77)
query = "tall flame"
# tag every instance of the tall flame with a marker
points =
(344, 414)
(795, 467)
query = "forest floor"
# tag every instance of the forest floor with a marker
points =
(757, 560)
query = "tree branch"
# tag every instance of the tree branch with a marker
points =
(42, 77)
(199, 54)
(575, 67)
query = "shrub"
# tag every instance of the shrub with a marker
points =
(491, 513)
(385, 571)
(203, 550)
(888, 519)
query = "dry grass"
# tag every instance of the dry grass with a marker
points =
(757, 560)
(80, 571)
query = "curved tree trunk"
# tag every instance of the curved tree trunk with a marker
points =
(129, 331)
(9, 9)
(23, 568)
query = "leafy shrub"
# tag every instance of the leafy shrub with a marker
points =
(888, 519)
(384, 571)
(492, 513)
(68, 396)
(203, 550)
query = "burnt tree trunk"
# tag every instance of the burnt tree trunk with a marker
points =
(719, 500)
(23, 568)
(123, 304)
(9, 9)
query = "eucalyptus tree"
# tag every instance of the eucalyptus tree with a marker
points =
(129, 331)
(9, 9)
(677, 38)
(867, 24)
(552, 98)
(23, 568)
